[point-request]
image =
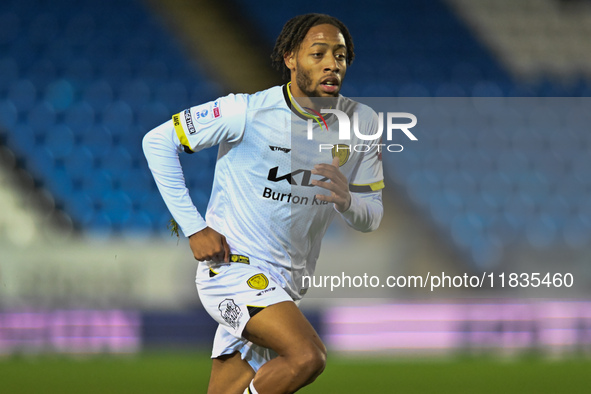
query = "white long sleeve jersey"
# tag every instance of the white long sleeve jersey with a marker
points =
(262, 199)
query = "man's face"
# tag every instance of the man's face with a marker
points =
(319, 65)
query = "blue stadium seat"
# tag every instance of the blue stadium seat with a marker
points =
(153, 114)
(534, 185)
(175, 95)
(203, 92)
(41, 162)
(577, 232)
(80, 117)
(512, 164)
(154, 71)
(542, 231)
(139, 223)
(79, 164)
(97, 184)
(460, 181)
(413, 89)
(60, 141)
(60, 181)
(581, 165)
(486, 251)
(11, 24)
(98, 139)
(43, 28)
(81, 207)
(444, 206)
(132, 141)
(518, 210)
(447, 89)
(41, 117)
(22, 138)
(153, 205)
(100, 225)
(81, 71)
(8, 114)
(42, 73)
(59, 52)
(117, 206)
(118, 163)
(136, 184)
(118, 117)
(558, 208)
(60, 94)
(495, 189)
(98, 94)
(135, 93)
(117, 71)
(465, 227)
(99, 50)
(23, 94)
(80, 29)
(422, 185)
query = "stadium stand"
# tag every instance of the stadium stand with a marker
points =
(82, 81)
(397, 51)
(80, 84)
(489, 188)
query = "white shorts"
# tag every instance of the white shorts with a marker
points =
(234, 292)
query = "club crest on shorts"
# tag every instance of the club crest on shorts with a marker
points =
(341, 151)
(258, 282)
(231, 312)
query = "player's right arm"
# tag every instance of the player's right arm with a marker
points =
(208, 244)
(193, 129)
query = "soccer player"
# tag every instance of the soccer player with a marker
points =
(273, 197)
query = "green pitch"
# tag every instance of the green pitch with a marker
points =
(188, 373)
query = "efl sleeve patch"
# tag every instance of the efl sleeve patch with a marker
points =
(206, 113)
(207, 125)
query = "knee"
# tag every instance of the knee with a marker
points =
(310, 362)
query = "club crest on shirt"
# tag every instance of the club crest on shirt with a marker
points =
(258, 282)
(341, 151)
(231, 313)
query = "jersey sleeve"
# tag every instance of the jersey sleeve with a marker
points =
(161, 148)
(196, 128)
(366, 183)
(207, 125)
(369, 175)
(365, 212)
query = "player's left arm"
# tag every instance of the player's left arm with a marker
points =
(361, 210)
(338, 185)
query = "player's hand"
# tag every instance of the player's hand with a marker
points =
(338, 185)
(208, 244)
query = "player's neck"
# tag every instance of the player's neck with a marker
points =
(300, 98)
(308, 106)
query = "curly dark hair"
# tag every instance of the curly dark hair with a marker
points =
(293, 34)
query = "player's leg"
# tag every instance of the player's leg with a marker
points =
(301, 354)
(230, 374)
(228, 293)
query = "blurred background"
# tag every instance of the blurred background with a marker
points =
(87, 264)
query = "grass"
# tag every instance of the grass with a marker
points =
(188, 373)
